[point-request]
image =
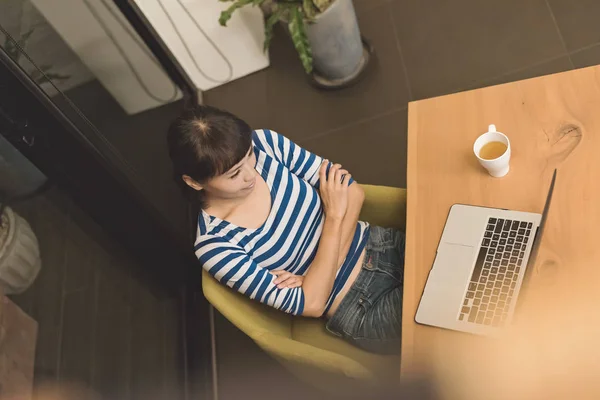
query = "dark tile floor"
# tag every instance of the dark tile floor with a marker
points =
(423, 49)
(106, 329)
(99, 326)
(140, 141)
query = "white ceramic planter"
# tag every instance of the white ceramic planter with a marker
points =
(20, 260)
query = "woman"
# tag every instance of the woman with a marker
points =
(280, 225)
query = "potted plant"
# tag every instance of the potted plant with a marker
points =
(20, 260)
(41, 75)
(324, 32)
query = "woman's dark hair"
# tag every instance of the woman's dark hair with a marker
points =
(205, 142)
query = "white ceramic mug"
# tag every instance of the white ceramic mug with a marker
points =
(497, 167)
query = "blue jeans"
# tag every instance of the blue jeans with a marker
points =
(370, 315)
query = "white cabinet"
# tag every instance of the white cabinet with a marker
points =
(211, 55)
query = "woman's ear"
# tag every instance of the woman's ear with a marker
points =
(192, 183)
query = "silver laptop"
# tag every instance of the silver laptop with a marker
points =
(480, 268)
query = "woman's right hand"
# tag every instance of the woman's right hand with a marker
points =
(334, 190)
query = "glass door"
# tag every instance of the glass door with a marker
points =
(109, 99)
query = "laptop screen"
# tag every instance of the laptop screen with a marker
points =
(538, 234)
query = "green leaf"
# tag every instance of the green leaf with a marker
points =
(35, 75)
(322, 5)
(310, 11)
(270, 23)
(227, 14)
(45, 67)
(41, 76)
(12, 50)
(300, 40)
(25, 38)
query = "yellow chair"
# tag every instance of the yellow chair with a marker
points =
(302, 345)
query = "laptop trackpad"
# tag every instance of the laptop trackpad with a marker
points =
(453, 264)
(446, 285)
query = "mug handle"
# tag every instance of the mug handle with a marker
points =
(492, 128)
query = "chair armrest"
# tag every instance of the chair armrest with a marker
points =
(250, 316)
(384, 206)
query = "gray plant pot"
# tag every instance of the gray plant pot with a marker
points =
(336, 42)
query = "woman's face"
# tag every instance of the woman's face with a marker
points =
(238, 182)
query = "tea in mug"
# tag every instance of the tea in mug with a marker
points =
(492, 150)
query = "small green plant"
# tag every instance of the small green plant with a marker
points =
(42, 73)
(295, 12)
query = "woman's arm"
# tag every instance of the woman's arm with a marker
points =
(232, 266)
(356, 198)
(347, 229)
(299, 161)
(320, 277)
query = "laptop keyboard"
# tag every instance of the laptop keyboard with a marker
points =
(499, 263)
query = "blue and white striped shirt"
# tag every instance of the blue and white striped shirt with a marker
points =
(288, 240)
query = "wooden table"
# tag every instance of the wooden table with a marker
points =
(552, 122)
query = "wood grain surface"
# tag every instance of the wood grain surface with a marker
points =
(552, 122)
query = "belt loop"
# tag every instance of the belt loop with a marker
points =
(368, 263)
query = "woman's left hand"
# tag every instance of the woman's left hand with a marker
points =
(286, 279)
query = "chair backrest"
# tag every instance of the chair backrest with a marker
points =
(384, 206)
(251, 317)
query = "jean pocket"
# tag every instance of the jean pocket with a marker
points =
(388, 262)
(354, 318)
(381, 239)
(382, 323)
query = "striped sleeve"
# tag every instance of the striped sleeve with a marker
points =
(299, 161)
(232, 266)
